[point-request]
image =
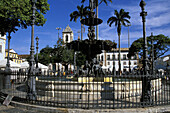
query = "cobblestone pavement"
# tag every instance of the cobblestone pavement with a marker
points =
(12, 109)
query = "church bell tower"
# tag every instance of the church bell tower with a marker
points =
(67, 35)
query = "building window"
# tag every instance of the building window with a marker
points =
(66, 38)
(124, 57)
(108, 57)
(135, 63)
(108, 63)
(113, 57)
(114, 63)
(0, 48)
(124, 63)
(102, 58)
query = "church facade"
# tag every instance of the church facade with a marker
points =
(67, 35)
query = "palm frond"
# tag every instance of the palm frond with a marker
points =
(116, 13)
(126, 20)
(83, 1)
(111, 20)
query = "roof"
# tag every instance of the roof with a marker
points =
(67, 29)
(24, 56)
(121, 49)
(3, 37)
(11, 51)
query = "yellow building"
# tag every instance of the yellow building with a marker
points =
(13, 56)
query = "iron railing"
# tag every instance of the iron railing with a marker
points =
(63, 89)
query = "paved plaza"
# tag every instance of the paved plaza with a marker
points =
(12, 109)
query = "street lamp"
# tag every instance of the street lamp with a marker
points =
(153, 69)
(31, 94)
(58, 28)
(146, 87)
(128, 25)
(37, 39)
(7, 69)
(75, 62)
(114, 70)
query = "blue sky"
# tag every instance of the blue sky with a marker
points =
(157, 22)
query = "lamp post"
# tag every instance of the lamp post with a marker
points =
(129, 45)
(58, 28)
(75, 62)
(97, 27)
(146, 88)
(78, 35)
(114, 71)
(31, 94)
(153, 69)
(37, 39)
(7, 69)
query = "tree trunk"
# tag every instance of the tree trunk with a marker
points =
(81, 31)
(119, 57)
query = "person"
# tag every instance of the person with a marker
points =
(64, 73)
(71, 72)
(100, 68)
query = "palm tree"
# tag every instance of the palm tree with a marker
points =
(120, 18)
(96, 1)
(82, 12)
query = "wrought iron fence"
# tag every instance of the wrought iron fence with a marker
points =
(68, 90)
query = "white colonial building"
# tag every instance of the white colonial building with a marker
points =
(110, 60)
(2, 46)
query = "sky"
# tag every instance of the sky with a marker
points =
(157, 21)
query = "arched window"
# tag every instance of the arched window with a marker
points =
(66, 38)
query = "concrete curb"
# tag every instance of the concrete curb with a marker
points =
(37, 108)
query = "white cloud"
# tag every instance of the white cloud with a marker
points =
(157, 20)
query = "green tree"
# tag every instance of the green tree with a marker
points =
(120, 18)
(17, 13)
(161, 46)
(56, 55)
(57, 51)
(67, 57)
(80, 13)
(80, 59)
(45, 56)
